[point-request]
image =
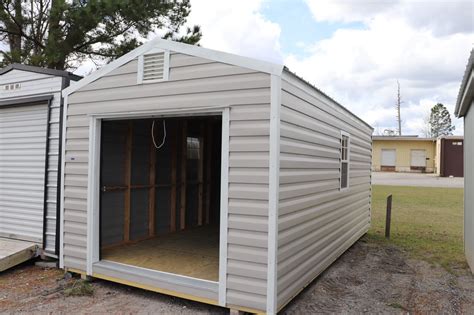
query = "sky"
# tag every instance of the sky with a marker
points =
(354, 50)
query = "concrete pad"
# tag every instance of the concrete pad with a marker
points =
(416, 180)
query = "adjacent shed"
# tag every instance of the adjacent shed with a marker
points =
(464, 108)
(209, 176)
(450, 156)
(30, 124)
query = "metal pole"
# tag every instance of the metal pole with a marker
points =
(388, 218)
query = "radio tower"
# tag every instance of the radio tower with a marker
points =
(399, 117)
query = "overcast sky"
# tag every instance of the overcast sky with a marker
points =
(354, 50)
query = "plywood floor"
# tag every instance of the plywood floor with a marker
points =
(193, 253)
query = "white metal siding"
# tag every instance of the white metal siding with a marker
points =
(317, 222)
(469, 186)
(34, 84)
(193, 83)
(22, 171)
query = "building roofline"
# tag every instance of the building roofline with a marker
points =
(287, 70)
(466, 91)
(404, 138)
(47, 71)
(452, 137)
(193, 50)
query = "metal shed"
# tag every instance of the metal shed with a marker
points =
(209, 176)
(30, 124)
(464, 108)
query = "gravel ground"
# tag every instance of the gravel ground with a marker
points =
(368, 278)
(416, 179)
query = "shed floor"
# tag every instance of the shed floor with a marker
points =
(193, 253)
(14, 252)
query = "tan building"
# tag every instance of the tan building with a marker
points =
(404, 154)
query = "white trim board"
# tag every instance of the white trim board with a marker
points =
(158, 43)
(273, 194)
(93, 185)
(61, 201)
(224, 202)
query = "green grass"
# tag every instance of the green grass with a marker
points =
(426, 222)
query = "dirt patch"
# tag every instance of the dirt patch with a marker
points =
(369, 277)
(379, 279)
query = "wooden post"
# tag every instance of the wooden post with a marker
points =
(208, 144)
(184, 157)
(174, 161)
(152, 191)
(201, 174)
(128, 179)
(388, 218)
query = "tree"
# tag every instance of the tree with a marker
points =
(59, 33)
(440, 121)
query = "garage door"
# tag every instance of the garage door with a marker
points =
(23, 132)
(388, 157)
(418, 158)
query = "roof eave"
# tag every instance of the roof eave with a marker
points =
(287, 70)
(47, 71)
(466, 91)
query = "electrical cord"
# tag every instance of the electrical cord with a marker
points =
(153, 135)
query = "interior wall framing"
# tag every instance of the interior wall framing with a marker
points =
(146, 191)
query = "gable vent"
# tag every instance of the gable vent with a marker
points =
(154, 67)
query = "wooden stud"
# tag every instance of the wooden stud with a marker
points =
(208, 144)
(151, 191)
(128, 182)
(201, 174)
(174, 160)
(184, 157)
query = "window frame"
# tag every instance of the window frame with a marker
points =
(347, 159)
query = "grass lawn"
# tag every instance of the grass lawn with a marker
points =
(426, 222)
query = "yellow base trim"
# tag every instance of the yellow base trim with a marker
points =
(165, 291)
(155, 289)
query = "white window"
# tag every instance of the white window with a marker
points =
(345, 158)
(153, 66)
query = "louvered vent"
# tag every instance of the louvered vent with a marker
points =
(154, 67)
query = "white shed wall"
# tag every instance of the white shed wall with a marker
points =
(193, 83)
(317, 222)
(35, 84)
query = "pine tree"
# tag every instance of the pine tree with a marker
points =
(60, 33)
(440, 121)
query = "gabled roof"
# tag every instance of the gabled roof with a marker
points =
(466, 91)
(192, 50)
(54, 72)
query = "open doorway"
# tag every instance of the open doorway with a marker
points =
(160, 194)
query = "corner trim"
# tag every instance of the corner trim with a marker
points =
(224, 202)
(273, 193)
